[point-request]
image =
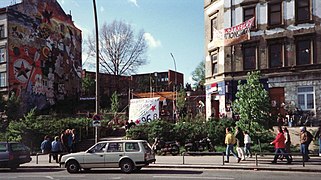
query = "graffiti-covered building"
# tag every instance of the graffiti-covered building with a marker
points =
(284, 43)
(40, 51)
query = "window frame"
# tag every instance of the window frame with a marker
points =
(297, 8)
(302, 39)
(3, 79)
(282, 55)
(214, 23)
(247, 46)
(2, 31)
(2, 51)
(247, 17)
(271, 12)
(214, 62)
(305, 94)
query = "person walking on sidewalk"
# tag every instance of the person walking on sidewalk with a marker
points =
(247, 143)
(56, 148)
(317, 136)
(279, 144)
(305, 141)
(240, 143)
(46, 145)
(287, 142)
(230, 141)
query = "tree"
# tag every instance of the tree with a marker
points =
(88, 85)
(114, 103)
(199, 74)
(180, 101)
(120, 52)
(252, 104)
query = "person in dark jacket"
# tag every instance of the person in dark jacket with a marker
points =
(279, 144)
(317, 136)
(240, 143)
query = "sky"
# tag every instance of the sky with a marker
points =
(170, 26)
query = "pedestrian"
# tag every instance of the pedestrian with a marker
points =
(74, 136)
(46, 145)
(317, 136)
(247, 143)
(304, 143)
(280, 146)
(287, 142)
(64, 140)
(240, 143)
(56, 148)
(280, 120)
(230, 141)
(69, 141)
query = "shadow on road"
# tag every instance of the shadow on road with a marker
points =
(144, 171)
(30, 170)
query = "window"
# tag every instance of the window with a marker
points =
(306, 98)
(3, 79)
(276, 54)
(115, 147)
(248, 13)
(2, 55)
(304, 51)
(98, 148)
(213, 25)
(275, 13)
(132, 147)
(302, 11)
(2, 31)
(214, 59)
(249, 57)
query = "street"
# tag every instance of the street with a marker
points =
(154, 173)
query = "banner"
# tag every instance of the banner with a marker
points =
(144, 110)
(233, 35)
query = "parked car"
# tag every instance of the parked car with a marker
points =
(12, 154)
(129, 155)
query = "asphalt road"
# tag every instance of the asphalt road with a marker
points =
(154, 173)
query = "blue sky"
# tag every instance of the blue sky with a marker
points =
(171, 26)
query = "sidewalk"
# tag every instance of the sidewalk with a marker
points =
(209, 162)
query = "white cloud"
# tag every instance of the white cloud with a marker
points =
(151, 41)
(102, 9)
(134, 2)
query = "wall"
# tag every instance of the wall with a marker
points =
(45, 53)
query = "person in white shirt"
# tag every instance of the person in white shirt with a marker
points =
(247, 142)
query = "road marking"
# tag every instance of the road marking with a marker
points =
(174, 177)
(49, 177)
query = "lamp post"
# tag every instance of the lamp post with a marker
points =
(174, 89)
(97, 68)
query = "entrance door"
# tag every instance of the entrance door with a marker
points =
(215, 108)
(277, 98)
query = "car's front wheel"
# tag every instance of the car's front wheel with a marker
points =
(127, 166)
(72, 166)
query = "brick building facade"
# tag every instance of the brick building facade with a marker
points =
(284, 44)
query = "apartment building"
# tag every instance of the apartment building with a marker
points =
(284, 44)
(40, 53)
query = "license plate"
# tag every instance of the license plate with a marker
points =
(21, 157)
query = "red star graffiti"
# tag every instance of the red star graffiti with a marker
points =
(137, 121)
(153, 108)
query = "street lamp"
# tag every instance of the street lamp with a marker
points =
(97, 68)
(174, 89)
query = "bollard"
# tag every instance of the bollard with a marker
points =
(183, 157)
(303, 162)
(256, 162)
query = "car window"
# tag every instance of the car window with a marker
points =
(131, 147)
(115, 147)
(147, 147)
(3, 147)
(98, 148)
(18, 147)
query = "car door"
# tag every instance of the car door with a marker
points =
(95, 157)
(115, 151)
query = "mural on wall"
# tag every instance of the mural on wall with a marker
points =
(44, 53)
